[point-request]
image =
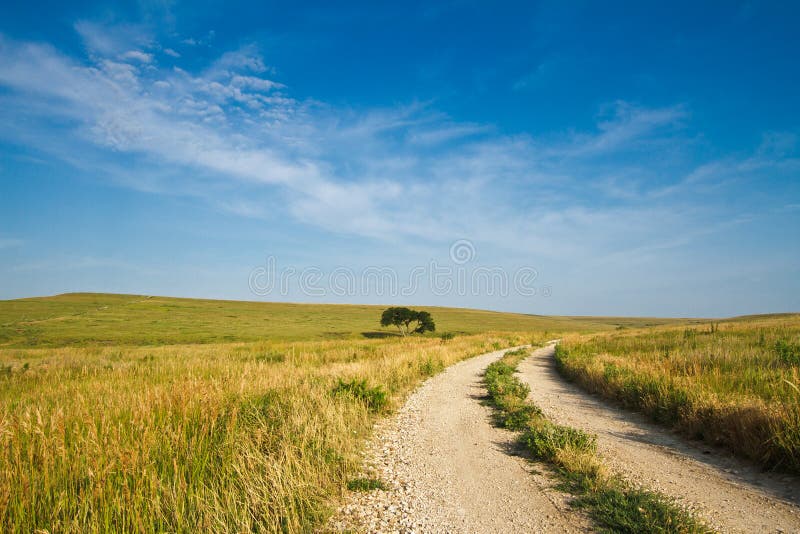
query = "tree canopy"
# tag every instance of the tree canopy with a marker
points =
(408, 321)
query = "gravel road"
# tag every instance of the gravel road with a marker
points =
(449, 470)
(730, 495)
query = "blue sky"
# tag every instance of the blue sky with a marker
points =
(642, 158)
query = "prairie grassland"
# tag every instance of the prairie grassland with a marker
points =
(229, 437)
(734, 383)
(81, 319)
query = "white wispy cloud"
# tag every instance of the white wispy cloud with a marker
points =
(137, 55)
(442, 133)
(626, 127)
(407, 172)
(112, 40)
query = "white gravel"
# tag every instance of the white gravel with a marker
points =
(448, 469)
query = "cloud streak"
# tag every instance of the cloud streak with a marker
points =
(235, 135)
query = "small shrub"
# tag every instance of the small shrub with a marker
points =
(638, 510)
(509, 394)
(431, 366)
(583, 467)
(519, 417)
(447, 336)
(500, 382)
(788, 353)
(545, 439)
(375, 398)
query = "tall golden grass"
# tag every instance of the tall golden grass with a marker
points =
(733, 383)
(228, 437)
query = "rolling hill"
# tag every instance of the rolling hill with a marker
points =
(111, 319)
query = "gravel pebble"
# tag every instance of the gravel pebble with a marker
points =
(449, 470)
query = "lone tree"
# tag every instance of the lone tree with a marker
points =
(408, 321)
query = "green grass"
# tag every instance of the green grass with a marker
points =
(735, 383)
(612, 504)
(633, 510)
(102, 319)
(238, 437)
(374, 398)
(154, 414)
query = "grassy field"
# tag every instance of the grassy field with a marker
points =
(226, 437)
(133, 413)
(90, 319)
(735, 383)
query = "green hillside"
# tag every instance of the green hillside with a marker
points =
(97, 318)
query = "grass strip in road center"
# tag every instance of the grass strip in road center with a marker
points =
(612, 503)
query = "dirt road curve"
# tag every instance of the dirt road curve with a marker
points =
(450, 470)
(733, 497)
